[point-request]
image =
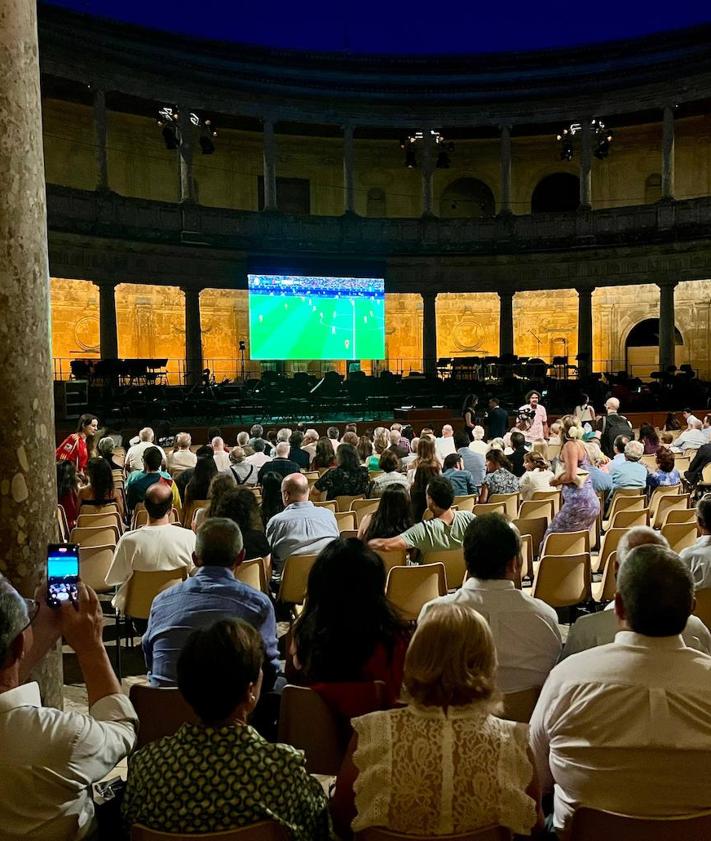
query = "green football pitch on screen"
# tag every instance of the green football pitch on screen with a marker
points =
(316, 318)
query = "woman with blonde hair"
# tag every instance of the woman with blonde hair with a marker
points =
(419, 769)
(537, 477)
(581, 505)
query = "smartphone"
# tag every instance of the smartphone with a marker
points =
(62, 573)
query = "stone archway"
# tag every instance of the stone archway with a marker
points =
(466, 198)
(558, 192)
(642, 347)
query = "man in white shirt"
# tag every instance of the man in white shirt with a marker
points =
(220, 454)
(182, 458)
(697, 558)
(157, 546)
(479, 445)
(526, 632)
(626, 727)
(691, 439)
(600, 628)
(445, 445)
(134, 456)
(49, 759)
(259, 457)
(689, 417)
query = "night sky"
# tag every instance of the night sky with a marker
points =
(395, 26)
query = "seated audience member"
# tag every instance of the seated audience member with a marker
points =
(612, 425)
(325, 455)
(689, 418)
(478, 444)
(258, 457)
(389, 463)
(691, 439)
(202, 475)
(210, 595)
(301, 457)
(630, 473)
(157, 546)
(706, 427)
(219, 486)
(649, 438)
(444, 531)
(666, 439)
(381, 441)
(243, 442)
(461, 479)
(526, 632)
(697, 558)
(240, 506)
(257, 434)
(407, 767)
(204, 452)
(346, 590)
(600, 628)
(621, 441)
(365, 450)
(213, 432)
(671, 422)
(228, 775)
(272, 502)
(445, 444)
(554, 437)
(350, 438)
(181, 458)
(424, 468)
(68, 491)
(499, 479)
(398, 445)
(49, 759)
(302, 528)
(666, 473)
(308, 445)
(333, 436)
(138, 483)
(347, 478)
(473, 461)
(537, 477)
(281, 463)
(100, 490)
(625, 727)
(243, 472)
(106, 449)
(600, 478)
(134, 456)
(518, 451)
(392, 517)
(703, 457)
(220, 454)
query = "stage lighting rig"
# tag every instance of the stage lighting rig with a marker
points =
(412, 141)
(169, 122)
(601, 139)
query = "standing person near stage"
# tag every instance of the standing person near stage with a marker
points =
(469, 414)
(581, 505)
(77, 447)
(498, 420)
(585, 411)
(539, 419)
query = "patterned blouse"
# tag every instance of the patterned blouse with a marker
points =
(338, 482)
(501, 481)
(206, 779)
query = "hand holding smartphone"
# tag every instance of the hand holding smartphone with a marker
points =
(62, 573)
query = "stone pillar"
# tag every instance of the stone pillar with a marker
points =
(429, 333)
(667, 343)
(102, 164)
(348, 179)
(28, 491)
(586, 165)
(185, 155)
(668, 154)
(108, 335)
(585, 328)
(505, 188)
(506, 324)
(427, 170)
(270, 190)
(193, 336)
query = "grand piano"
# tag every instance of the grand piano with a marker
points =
(123, 371)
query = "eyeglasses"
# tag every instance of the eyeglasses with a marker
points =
(32, 610)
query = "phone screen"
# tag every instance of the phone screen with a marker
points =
(62, 573)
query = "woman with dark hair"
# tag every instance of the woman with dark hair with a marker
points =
(67, 495)
(499, 479)
(648, 436)
(469, 414)
(347, 478)
(240, 506)
(77, 446)
(348, 631)
(418, 489)
(272, 502)
(666, 473)
(199, 485)
(100, 489)
(325, 456)
(364, 449)
(671, 422)
(393, 516)
(220, 484)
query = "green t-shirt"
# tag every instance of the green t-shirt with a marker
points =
(436, 534)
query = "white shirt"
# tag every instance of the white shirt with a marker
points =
(149, 549)
(181, 460)
(134, 456)
(698, 559)
(445, 446)
(626, 727)
(535, 480)
(49, 759)
(222, 460)
(480, 447)
(525, 630)
(258, 459)
(600, 629)
(690, 439)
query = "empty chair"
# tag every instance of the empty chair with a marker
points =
(536, 527)
(609, 544)
(453, 560)
(682, 463)
(361, 507)
(331, 504)
(95, 536)
(667, 503)
(94, 563)
(346, 520)
(190, 509)
(511, 501)
(680, 535)
(680, 515)
(488, 508)
(143, 587)
(466, 502)
(563, 580)
(622, 503)
(391, 558)
(294, 577)
(532, 509)
(552, 495)
(631, 517)
(252, 573)
(343, 503)
(526, 556)
(594, 824)
(566, 543)
(410, 588)
(161, 711)
(603, 591)
(107, 518)
(658, 492)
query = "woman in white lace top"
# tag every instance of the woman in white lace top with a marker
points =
(443, 764)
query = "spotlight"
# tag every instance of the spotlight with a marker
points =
(566, 149)
(410, 158)
(603, 147)
(206, 135)
(168, 120)
(170, 136)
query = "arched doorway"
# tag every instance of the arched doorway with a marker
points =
(642, 348)
(556, 193)
(466, 197)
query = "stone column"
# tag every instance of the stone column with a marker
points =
(586, 165)
(667, 343)
(506, 324)
(505, 188)
(28, 491)
(193, 336)
(102, 164)
(429, 333)
(427, 171)
(585, 328)
(348, 179)
(270, 190)
(668, 154)
(185, 155)
(108, 335)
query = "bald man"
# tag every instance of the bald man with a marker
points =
(302, 528)
(156, 546)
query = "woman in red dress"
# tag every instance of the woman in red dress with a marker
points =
(75, 447)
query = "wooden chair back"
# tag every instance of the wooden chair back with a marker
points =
(667, 503)
(94, 535)
(94, 563)
(552, 495)
(610, 542)
(511, 501)
(527, 555)
(630, 518)
(680, 515)
(294, 578)
(466, 502)
(594, 824)
(410, 588)
(482, 508)
(603, 591)
(330, 503)
(563, 580)
(361, 507)
(190, 509)
(706, 474)
(108, 518)
(657, 493)
(622, 503)
(680, 535)
(143, 587)
(104, 508)
(346, 520)
(161, 711)
(566, 543)
(536, 527)
(252, 573)
(454, 567)
(682, 463)
(392, 558)
(343, 503)
(531, 509)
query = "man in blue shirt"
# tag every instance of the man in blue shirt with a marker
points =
(212, 594)
(461, 479)
(473, 462)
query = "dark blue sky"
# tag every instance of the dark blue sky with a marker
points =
(395, 26)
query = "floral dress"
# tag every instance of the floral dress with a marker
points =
(501, 481)
(581, 506)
